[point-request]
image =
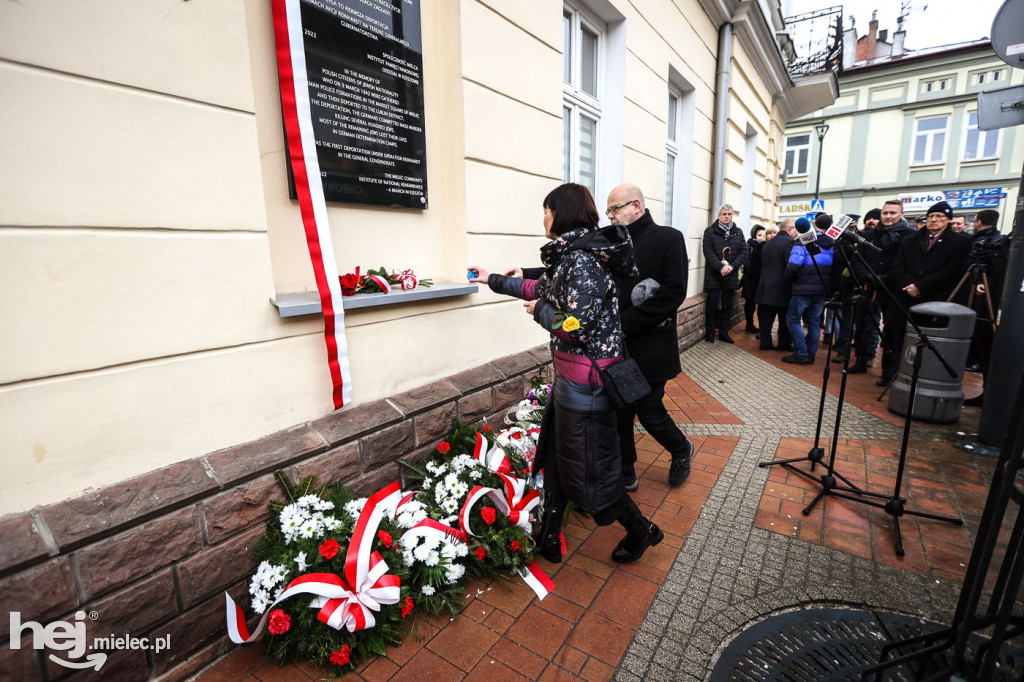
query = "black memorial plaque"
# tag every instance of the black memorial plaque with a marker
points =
(364, 63)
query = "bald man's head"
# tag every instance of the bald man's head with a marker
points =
(625, 204)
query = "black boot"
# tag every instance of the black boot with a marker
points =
(709, 335)
(640, 534)
(860, 367)
(680, 469)
(548, 538)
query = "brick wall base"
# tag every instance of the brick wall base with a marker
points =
(152, 556)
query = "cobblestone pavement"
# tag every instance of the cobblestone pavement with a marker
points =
(730, 574)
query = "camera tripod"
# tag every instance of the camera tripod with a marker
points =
(977, 270)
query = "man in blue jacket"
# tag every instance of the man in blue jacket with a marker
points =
(808, 269)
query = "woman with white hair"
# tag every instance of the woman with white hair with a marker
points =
(725, 252)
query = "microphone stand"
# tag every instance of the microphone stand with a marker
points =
(895, 505)
(817, 453)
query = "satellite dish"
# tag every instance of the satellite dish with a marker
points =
(1008, 33)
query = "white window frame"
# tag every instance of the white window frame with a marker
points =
(578, 104)
(982, 138)
(786, 148)
(993, 76)
(674, 124)
(929, 144)
(938, 85)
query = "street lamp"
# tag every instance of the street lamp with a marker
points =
(820, 129)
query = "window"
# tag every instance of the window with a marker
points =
(581, 103)
(930, 139)
(798, 149)
(980, 144)
(671, 152)
(990, 76)
(938, 85)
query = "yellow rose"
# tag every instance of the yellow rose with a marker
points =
(571, 324)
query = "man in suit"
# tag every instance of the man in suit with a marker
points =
(648, 325)
(773, 288)
(928, 266)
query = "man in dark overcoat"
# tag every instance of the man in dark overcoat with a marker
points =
(648, 305)
(773, 288)
(928, 266)
(725, 252)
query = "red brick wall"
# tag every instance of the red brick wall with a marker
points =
(152, 556)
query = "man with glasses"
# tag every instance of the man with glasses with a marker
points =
(648, 306)
(928, 266)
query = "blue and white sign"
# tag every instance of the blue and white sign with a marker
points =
(958, 199)
(818, 206)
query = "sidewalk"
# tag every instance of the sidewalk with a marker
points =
(737, 547)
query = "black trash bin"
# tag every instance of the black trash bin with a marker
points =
(940, 397)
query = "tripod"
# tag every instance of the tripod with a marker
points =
(974, 272)
(817, 453)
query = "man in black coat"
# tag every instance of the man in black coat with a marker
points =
(773, 288)
(725, 252)
(928, 266)
(648, 305)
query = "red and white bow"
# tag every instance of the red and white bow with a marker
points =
(347, 601)
(514, 502)
(406, 278)
(491, 456)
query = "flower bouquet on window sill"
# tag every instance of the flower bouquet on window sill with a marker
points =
(380, 281)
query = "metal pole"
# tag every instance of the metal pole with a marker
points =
(1007, 360)
(817, 181)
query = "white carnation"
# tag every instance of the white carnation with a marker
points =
(433, 559)
(427, 590)
(300, 561)
(455, 573)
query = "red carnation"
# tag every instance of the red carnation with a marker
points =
(489, 514)
(444, 447)
(329, 548)
(341, 656)
(480, 552)
(488, 429)
(279, 622)
(385, 538)
(515, 545)
(407, 607)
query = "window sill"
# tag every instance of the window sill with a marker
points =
(308, 303)
(987, 159)
(924, 166)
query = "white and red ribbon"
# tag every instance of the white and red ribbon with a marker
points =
(406, 278)
(538, 581)
(347, 601)
(491, 456)
(384, 285)
(298, 121)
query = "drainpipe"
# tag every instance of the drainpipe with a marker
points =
(721, 116)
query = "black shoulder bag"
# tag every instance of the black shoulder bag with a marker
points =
(624, 383)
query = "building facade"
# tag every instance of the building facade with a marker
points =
(905, 126)
(156, 372)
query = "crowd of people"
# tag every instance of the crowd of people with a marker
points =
(607, 295)
(853, 292)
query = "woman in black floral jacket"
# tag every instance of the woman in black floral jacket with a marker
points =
(574, 299)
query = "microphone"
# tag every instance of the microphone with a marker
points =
(804, 232)
(839, 231)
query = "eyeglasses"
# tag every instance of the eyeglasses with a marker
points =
(611, 211)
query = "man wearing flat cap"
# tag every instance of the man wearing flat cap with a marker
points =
(929, 264)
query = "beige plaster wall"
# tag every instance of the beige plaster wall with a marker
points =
(145, 224)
